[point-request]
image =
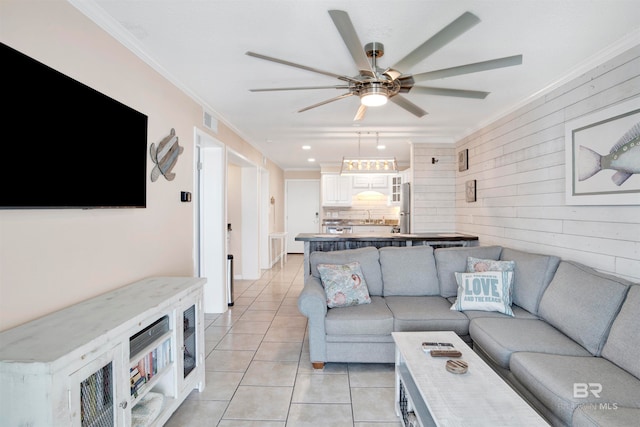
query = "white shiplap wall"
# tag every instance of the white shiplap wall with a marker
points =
(519, 165)
(434, 188)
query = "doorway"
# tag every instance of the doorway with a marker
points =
(302, 210)
(243, 213)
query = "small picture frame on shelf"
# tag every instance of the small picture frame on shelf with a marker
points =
(463, 160)
(470, 191)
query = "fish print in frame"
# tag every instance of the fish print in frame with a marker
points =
(602, 156)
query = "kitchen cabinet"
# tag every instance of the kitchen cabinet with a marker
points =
(336, 190)
(378, 182)
(396, 185)
(108, 360)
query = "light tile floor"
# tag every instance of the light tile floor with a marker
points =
(258, 372)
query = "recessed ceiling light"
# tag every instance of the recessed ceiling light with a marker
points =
(381, 147)
(311, 160)
(306, 147)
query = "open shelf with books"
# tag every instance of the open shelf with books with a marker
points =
(146, 371)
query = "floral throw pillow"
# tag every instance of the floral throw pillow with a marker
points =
(344, 284)
(478, 265)
(486, 291)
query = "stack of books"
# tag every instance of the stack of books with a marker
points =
(440, 349)
(137, 380)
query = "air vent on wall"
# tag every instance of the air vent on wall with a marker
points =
(210, 122)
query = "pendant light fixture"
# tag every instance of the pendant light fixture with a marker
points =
(368, 165)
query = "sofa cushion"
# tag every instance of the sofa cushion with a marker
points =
(451, 260)
(367, 257)
(428, 313)
(518, 312)
(409, 270)
(607, 416)
(557, 382)
(623, 344)
(533, 273)
(583, 303)
(344, 284)
(486, 291)
(365, 319)
(500, 337)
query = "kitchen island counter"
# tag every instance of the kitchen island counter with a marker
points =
(335, 242)
(398, 237)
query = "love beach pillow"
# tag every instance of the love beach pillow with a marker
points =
(479, 265)
(344, 284)
(486, 291)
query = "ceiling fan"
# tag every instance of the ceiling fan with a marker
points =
(375, 85)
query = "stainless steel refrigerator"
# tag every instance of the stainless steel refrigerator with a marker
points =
(405, 208)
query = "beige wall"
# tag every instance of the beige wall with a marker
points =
(296, 174)
(50, 259)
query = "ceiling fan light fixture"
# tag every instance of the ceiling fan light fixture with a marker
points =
(374, 95)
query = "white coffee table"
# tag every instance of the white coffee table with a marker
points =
(478, 397)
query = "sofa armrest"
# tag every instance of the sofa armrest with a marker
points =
(312, 303)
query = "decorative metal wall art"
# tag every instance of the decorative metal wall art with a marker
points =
(463, 160)
(165, 156)
(470, 191)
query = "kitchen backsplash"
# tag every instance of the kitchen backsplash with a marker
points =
(360, 209)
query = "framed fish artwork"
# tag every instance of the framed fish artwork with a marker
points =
(602, 156)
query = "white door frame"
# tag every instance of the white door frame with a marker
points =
(250, 217)
(265, 208)
(210, 252)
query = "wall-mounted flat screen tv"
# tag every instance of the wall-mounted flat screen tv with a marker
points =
(66, 145)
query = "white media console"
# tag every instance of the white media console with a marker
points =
(127, 357)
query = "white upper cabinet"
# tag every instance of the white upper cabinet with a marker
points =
(396, 185)
(371, 182)
(336, 190)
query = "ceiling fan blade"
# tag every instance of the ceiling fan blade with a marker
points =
(360, 113)
(350, 37)
(461, 93)
(463, 23)
(303, 67)
(492, 64)
(273, 89)
(391, 73)
(337, 98)
(403, 102)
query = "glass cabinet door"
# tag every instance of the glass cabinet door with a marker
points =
(189, 340)
(96, 398)
(93, 396)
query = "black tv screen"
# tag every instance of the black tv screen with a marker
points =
(66, 145)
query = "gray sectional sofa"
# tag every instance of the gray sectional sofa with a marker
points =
(572, 347)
